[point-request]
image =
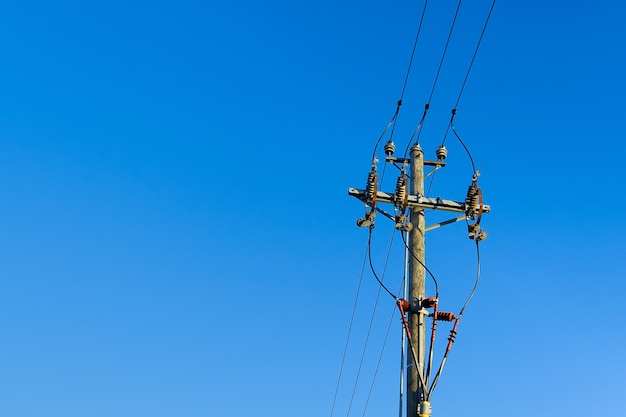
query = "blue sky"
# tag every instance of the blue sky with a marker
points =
(177, 239)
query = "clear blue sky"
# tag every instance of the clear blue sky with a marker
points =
(176, 234)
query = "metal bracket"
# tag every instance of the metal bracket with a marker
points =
(438, 225)
(406, 161)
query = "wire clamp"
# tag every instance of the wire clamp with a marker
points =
(424, 409)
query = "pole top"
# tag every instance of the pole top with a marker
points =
(416, 148)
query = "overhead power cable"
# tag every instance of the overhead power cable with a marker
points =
(480, 39)
(369, 329)
(345, 349)
(406, 245)
(475, 282)
(380, 357)
(408, 71)
(392, 122)
(369, 255)
(445, 49)
(418, 130)
(456, 323)
(469, 69)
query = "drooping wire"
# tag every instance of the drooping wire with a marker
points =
(369, 330)
(345, 349)
(417, 131)
(462, 143)
(451, 127)
(369, 255)
(475, 283)
(456, 322)
(422, 264)
(391, 123)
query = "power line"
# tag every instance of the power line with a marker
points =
(345, 349)
(445, 49)
(392, 122)
(480, 39)
(418, 130)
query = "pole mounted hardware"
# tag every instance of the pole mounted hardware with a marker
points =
(409, 203)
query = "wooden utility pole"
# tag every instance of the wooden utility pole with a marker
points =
(417, 399)
(417, 286)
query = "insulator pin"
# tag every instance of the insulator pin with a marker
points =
(390, 148)
(442, 153)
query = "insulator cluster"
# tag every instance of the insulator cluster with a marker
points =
(444, 316)
(429, 302)
(472, 200)
(372, 186)
(401, 195)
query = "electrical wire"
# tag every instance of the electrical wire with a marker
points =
(380, 357)
(369, 255)
(345, 349)
(469, 69)
(463, 143)
(475, 283)
(423, 265)
(458, 318)
(418, 130)
(392, 122)
(421, 381)
(480, 39)
(445, 49)
(419, 29)
(369, 330)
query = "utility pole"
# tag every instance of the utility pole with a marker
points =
(417, 287)
(411, 196)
